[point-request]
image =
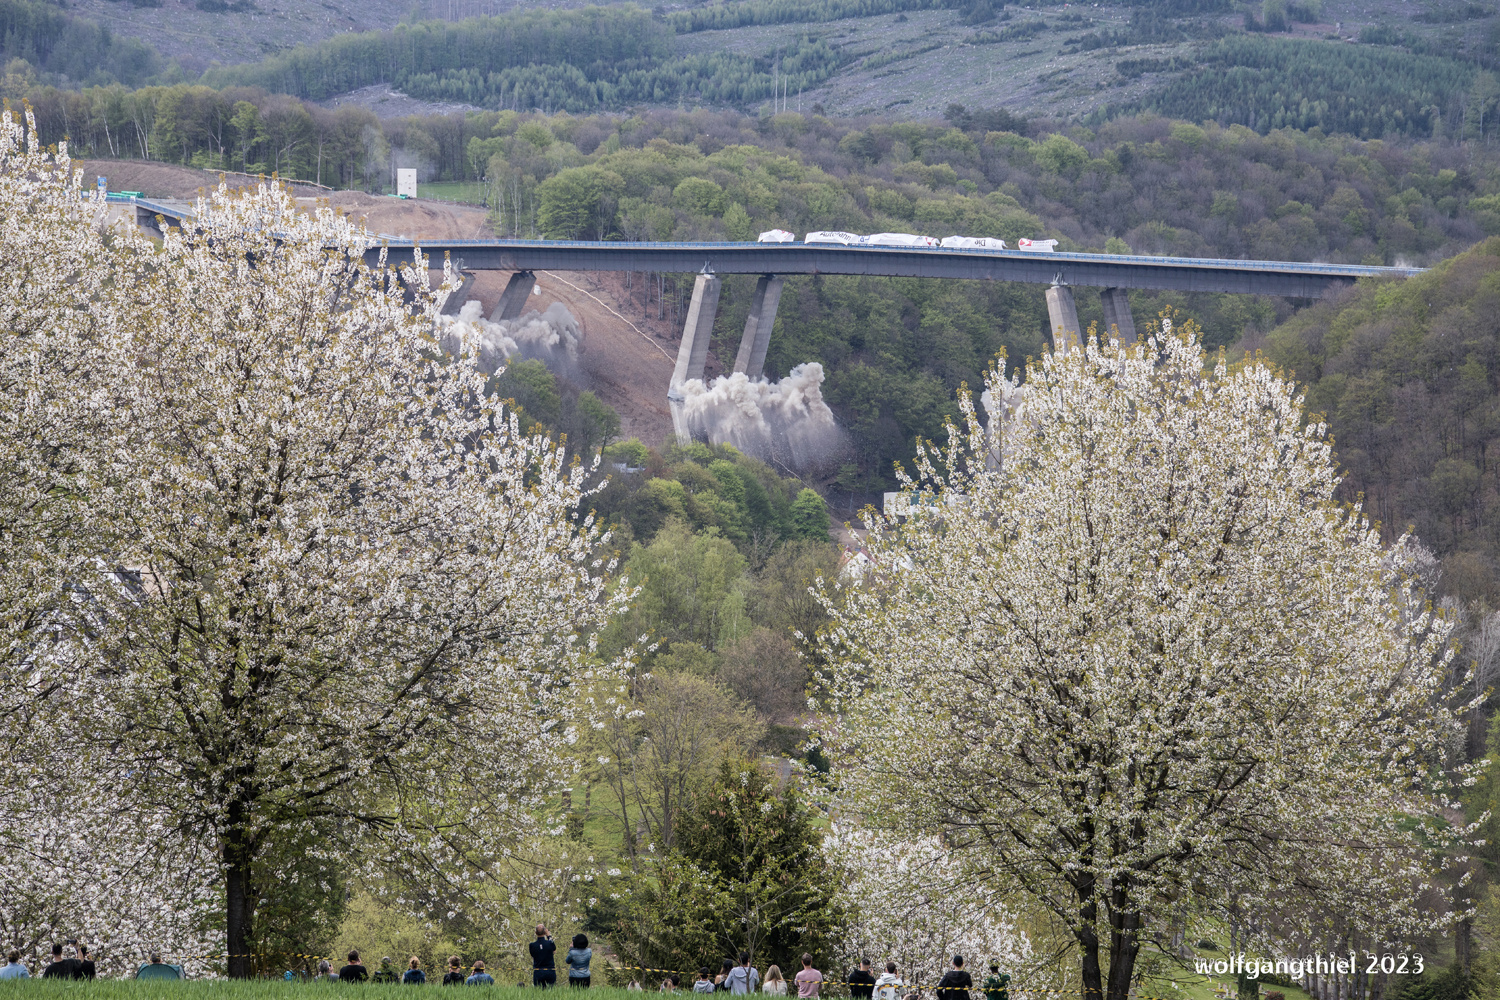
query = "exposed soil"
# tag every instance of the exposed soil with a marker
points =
(169, 180)
(627, 358)
(413, 218)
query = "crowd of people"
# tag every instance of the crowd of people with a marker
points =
(75, 966)
(863, 984)
(739, 979)
(544, 967)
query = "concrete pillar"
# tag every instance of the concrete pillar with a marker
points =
(693, 352)
(1118, 322)
(696, 333)
(513, 300)
(757, 337)
(154, 223)
(1062, 315)
(458, 298)
(679, 422)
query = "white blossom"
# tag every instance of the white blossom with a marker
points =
(1137, 662)
(324, 582)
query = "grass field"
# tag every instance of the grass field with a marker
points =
(129, 989)
(223, 989)
(466, 192)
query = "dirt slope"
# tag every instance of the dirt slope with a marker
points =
(412, 218)
(627, 358)
(169, 180)
(626, 361)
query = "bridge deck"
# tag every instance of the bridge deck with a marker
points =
(1189, 274)
(1101, 270)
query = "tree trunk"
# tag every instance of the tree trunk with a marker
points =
(1088, 941)
(1124, 941)
(239, 908)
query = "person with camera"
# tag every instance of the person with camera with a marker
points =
(543, 962)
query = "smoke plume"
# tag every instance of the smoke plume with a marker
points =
(785, 422)
(553, 336)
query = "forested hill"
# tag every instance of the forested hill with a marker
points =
(1408, 375)
(1389, 73)
(578, 60)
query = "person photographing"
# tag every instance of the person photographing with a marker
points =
(543, 959)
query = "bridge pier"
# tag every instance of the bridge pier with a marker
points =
(513, 300)
(1117, 319)
(696, 331)
(461, 295)
(751, 359)
(693, 352)
(1062, 315)
(154, 222)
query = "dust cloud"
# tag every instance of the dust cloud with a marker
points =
(785, 422)
(553, 337)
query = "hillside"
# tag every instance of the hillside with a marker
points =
(1191, 58)
(1408, 376)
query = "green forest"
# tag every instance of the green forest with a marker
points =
(1267, 83)
(1405, 374)
(578, 61)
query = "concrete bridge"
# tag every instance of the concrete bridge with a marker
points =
(1112, 274)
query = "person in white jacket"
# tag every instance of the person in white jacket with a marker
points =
(888, 986)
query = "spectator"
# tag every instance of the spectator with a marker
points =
(670, 984)
(995, 984)
(861, 983)
(385, 974)
(775, 986)
(579, 957)
(956, 983)
(454, 975)
(704, 983)
(325, 972)
(61, 968)
(354, 972)
(635, 986)
(414, 976)
(480, 977)
(742, 978)
(543, 965)
(13, 969)
(721, 981)
(86, 968)
(809, 980)
(156, 969)
(889, 983)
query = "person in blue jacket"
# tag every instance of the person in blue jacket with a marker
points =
(579, 957)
